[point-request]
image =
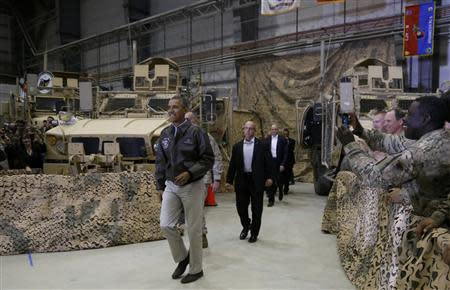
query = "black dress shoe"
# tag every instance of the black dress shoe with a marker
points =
(191, 277)
(280, 197)
(181, 268)
(243, 234)
(270, 204)
(252, 239)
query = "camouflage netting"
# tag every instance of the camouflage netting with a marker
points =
(376, 239)
(269, 87)
(13, 172)
(47, 213)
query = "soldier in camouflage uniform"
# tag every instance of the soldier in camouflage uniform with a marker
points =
(421, 167)
(213, 176)
(425, 162)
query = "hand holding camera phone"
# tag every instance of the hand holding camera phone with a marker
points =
(346, 120)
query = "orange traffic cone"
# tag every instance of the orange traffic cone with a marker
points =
(210, 198)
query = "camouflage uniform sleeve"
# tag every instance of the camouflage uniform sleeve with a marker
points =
(388, 143)
(394, 170)
(408, 190)
(217, 166)
(427, 158)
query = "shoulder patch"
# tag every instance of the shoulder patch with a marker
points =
(165, 142)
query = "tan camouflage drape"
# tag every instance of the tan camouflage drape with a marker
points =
(47, 213)
(269, 87)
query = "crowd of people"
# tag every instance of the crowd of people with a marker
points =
(399, 172)
(22, 146)
(390, 122)
(184, 156)
(401, 149)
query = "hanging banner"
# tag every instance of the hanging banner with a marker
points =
(329, 1)
(274, 7)
(419, 29)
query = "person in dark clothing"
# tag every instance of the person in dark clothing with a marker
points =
(30, 153)
(288, 173)
(3, 158)
(277, 147)
(183, 157)
(251, 170)
(12, 153)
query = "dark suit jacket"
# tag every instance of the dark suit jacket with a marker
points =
(34, 160)
(290, 161)
(262, 167)
(282, 150)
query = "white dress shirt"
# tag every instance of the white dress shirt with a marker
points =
(248, 154)
(273, 146)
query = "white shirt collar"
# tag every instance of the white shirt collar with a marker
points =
(249, 142)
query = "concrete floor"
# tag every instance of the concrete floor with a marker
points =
(291, 253)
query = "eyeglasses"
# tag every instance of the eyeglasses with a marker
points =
(249, 128)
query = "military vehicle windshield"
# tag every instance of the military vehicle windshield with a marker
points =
(132, 147)
(90, 144)
(158, 104)
(56, 104)
(115, 104)
(49, 104)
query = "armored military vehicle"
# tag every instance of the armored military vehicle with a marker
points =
(369, 84)
(126, 124)
(102, 145)
(155, 81)
(46, 94)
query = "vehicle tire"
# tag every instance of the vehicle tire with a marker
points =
(322, 185)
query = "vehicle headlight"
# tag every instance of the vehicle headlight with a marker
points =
(51, 140)
(56, 142)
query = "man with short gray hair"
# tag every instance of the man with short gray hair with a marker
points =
(213, 177)
(278, 148)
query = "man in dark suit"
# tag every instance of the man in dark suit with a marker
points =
(290, 161)
(250, 169)
(277, 147)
